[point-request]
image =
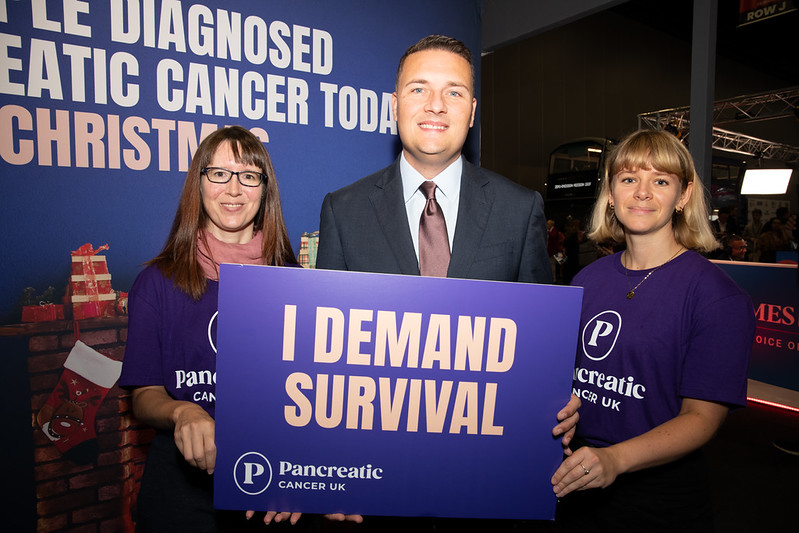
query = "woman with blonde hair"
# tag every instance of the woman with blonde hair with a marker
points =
(663, 352)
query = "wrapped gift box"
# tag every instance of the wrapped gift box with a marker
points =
(82, 307)
(87, 285)
(90, 288)
(42, 312)
(89, 264)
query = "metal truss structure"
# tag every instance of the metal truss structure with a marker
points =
(751, 108)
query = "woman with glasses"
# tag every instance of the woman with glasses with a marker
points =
(229, 212)
(663, 351)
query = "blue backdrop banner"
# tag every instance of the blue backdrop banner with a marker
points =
(390, 395)
(102, 105)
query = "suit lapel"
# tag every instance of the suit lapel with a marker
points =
(474, 207)
(388, 203)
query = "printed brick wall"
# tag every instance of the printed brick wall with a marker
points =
(90, 487)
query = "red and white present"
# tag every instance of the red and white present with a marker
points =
(90, 284)
(44, 312)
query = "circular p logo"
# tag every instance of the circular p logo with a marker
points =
(252, 473)
(600, 334)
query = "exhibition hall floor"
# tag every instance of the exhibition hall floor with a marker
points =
(756, 486)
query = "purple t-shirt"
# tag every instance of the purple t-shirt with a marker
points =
(687, 333)
(171, 339)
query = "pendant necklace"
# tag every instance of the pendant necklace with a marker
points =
(633, 289)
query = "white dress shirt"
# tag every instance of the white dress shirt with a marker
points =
(448, 189)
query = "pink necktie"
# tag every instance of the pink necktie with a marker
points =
(433, 240)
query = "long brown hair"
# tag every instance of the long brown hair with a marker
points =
(661, 151)
(178, 259)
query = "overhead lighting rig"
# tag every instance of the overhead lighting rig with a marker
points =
(750, 108)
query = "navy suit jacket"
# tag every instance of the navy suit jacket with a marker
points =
(500, 233)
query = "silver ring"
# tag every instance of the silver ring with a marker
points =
(585, 470)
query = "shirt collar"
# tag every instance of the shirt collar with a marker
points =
(448, 181)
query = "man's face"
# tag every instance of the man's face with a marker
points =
(434, 108)
(738, 250)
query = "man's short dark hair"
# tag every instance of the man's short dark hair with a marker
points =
(731, 238)
(438, 42)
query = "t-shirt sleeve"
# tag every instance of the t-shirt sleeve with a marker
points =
(141, 366)
(719, 342)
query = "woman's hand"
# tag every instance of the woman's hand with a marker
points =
(193, 428)
(276, 517)
(194, 436)
(568, 417)
(340, 517)
(692, 428)
(586, 468)
(293, 517)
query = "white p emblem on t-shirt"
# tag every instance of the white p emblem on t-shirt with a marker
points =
(600, 335)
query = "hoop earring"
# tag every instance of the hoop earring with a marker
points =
(678, 210)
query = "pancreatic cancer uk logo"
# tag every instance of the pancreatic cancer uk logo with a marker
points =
(252, 473)
(600, 334)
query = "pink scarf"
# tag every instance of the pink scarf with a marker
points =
(211, 252)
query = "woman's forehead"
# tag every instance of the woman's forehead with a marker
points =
(233, 150)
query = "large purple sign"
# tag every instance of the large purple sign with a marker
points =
(390, 395)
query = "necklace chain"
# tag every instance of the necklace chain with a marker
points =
(633, 289)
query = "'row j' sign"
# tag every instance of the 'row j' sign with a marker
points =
(393, 395)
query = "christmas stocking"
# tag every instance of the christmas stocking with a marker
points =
(68, 416)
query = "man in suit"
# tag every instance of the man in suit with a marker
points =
(496, 229)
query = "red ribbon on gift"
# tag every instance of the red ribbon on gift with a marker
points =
(86, 252)
(93, 282)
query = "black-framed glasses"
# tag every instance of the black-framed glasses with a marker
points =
(247, 178)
